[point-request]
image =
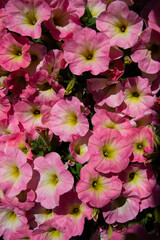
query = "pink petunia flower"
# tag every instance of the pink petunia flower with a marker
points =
(79, 148)
(50, 230)
(103, 119)
(147, 51)
(97, 189)
(143, 142)
(123, 208)
(11, 219)
(154, 18)
(53, 178)
(29, 115)
(138, 178)
(121, 25)
(138, 97)
(4, 107)
(109, 151)
(25, 17)
(67, 119)
(87, 50)
(14, 52)
(15, 172)
(63, 21)
(72, 211)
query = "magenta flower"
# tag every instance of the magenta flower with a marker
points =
(154, 18)
(97, 189)
(109, 151)
(138, 178)
(67, 119)
(121, 25)
(14, 52)
(123, 208)
(15, 172)
(25, 17)
(53, 178)
(87, 50)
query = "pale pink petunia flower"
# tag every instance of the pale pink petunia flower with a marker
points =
(109, 151)
(147, 51)
(25, 17)
(138, 178)
(97, 189)
(138, 97)
(15, 172)
(67, 119)
(87, 50)
(55, 180)
(14, 52)
(122, 209)
(120, 24)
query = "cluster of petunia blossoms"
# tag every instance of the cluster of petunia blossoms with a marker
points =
(79, 119)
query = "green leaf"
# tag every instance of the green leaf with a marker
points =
(78, 168)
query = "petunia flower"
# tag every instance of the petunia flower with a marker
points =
(14, 52)
(147, 51)
(138, 178)
(109, 151)
(15, 172)
(122, 209)
(143, 142)
(121, 25)
(72, 211)
(53, 178)
(138, 97)
(25, 17)
(67, 119)
(87, 50)
(97, 189)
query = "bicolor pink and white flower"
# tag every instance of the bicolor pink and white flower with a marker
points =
(121, 25)
(97, 189)
(53, 178)
(109, 151)
(67, 119)
(87, 50)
